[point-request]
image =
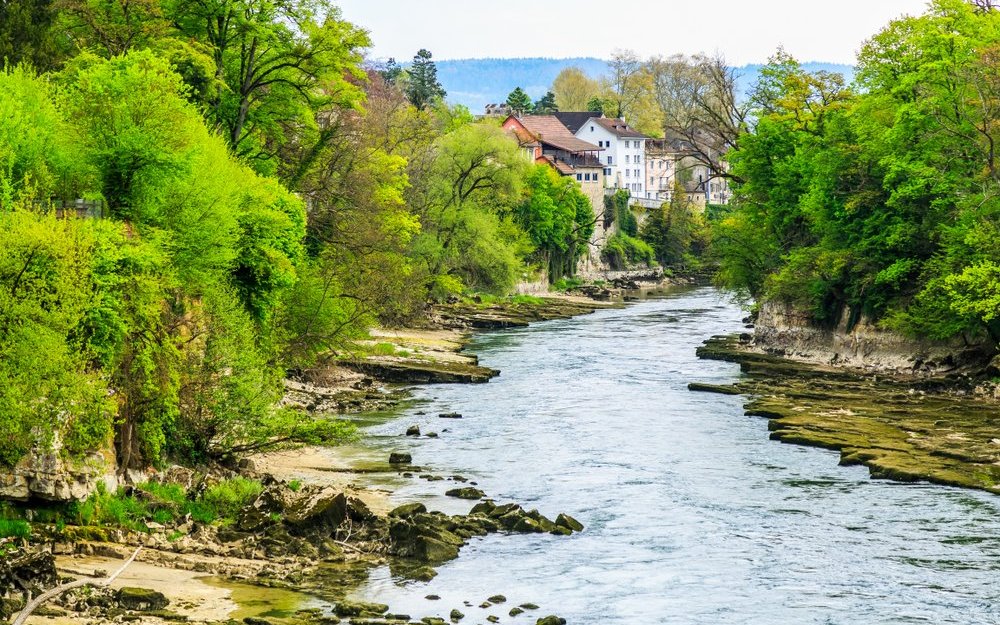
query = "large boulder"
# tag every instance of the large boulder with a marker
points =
(141, 599)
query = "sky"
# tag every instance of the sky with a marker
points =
(744, 31)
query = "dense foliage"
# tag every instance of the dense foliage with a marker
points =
(882, 198)
(264, 200)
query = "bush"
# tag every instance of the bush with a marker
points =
(228, 497)
(621, 251)
(14, 528)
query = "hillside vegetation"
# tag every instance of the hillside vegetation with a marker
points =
(262, 201)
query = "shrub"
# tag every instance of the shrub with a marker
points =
(14, 528)
(622, 250)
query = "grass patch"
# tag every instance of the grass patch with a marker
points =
(164, 504)
(565, 284)
(295, 486)
(14, 528)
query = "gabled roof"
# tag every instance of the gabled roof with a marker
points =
(619, 128)
(575, 120)
(550, 131)
(562, 167)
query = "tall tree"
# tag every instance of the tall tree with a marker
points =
(112, 27)
(573, 89)
(423, 88)
(518, 101)
(699, 107)
(546, 105)
(26, 33)
(280, 64)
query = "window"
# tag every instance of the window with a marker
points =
(607, 171)
(591, 129)
(626, 158)
(586, 177)
(579, 176)
(628, 173)
(610, 161)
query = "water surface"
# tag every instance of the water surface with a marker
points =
(692, 514)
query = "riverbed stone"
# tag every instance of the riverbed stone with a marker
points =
(467, 492)
(551, 620)
(408, 510)
(515, 611)
(493, 619)
(400, 457)
(497, 599)
(565, 520)
(359, 608)
(413, 430)
(455, 616)
(450, 415)
(141, 599)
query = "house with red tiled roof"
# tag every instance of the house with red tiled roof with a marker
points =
(548, 141)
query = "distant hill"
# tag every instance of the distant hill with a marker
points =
(477, 82)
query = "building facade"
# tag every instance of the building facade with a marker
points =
(623, 148)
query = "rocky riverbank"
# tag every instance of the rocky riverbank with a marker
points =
(903, 427)
(314, 529)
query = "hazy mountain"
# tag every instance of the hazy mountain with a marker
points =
(477, 82)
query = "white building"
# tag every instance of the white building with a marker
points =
(669, 163)
(624, 149)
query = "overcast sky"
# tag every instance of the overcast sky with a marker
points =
(745, 31)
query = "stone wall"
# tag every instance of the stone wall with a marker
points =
(47, 475)
(781, 329)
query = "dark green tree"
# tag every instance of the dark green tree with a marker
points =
(26, 33)
(546, 105)
(596, 105)
(391, 71)
(518, 101)
(423, 87)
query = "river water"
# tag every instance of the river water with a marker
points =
(692, 514)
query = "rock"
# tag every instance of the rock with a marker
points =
(408, 510)
(550, 620)
(485, 507)
(515, 611)
(456, 616)
(141, 599)
(432, 435)
(529, 606)
(432, 597)
(253, 620)
(413, 430)
(493, 619)
(468, 492)
(399, 457)
(497, 599)
(359, 608)
(527, 525)
(432, 620)
(423, 574)
(485, 605)
(450, 415)
(565, 520)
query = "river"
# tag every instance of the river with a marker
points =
(692, 514)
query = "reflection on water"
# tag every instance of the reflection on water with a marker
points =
(692, 514)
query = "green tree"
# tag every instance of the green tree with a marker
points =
(558, 218)
(27, 34)
(573, 90)
(422, 87)
(279, 66)
(546, 105)
(518, 101)
(674, 230)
